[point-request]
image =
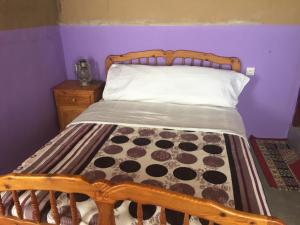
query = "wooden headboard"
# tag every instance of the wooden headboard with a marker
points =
(179, 57)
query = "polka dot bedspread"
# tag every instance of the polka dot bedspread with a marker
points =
(208, 165)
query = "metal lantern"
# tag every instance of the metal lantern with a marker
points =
(83, 72)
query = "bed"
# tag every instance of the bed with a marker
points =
(131, 162)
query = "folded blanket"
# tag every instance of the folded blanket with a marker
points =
(208, 165)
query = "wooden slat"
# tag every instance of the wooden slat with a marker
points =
(2, 208)
(182, 61)
(106, 216)
(211, 223)
(36, 215)
(139, 214)
(17, 204)
(54, 210)
(186, 220)
(162, 217)
(73, 209)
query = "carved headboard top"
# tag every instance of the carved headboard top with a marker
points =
(179, 57)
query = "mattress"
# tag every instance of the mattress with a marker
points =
(196, 150)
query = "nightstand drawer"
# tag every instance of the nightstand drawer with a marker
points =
(73, 99)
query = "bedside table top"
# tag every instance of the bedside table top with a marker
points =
(75, 85)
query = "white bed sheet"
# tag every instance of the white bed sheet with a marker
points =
(192, 117)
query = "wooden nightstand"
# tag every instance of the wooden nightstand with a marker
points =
(71, 99)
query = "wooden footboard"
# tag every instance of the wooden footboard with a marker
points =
(105, 195)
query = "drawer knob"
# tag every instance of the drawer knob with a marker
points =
(73, 99)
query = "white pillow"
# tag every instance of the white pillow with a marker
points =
(174, 84)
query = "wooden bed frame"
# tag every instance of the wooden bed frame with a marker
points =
(183, 57)
(106, 194)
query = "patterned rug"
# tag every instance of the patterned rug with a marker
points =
(276, 160)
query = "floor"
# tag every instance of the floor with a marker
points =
(283, 204)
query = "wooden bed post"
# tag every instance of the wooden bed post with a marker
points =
(106, 213)
(169, 57)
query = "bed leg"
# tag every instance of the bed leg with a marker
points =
(106, 215)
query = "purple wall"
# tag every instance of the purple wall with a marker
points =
(267, 103)
(31, 62)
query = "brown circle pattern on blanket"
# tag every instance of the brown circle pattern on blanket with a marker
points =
(188, 146)
(120, 139)
(212, 138)
(167, 134)
(214, 177)
(183, 188)
(184, 173)
(215, 194)
(189, 137)
(146, 132)
(136, 152)
(187, 162)
(186, 158)
(130, 166)
(165, 144)
(94, 175)
(125, 130)
(161, 155)
(121, 178)
(141, 141)
(213, 149)
(104, 162)
(156, 170)
(213, 161)
(154, 183)
(113, 149)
